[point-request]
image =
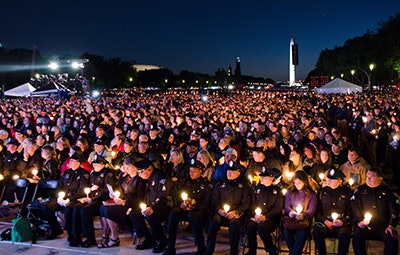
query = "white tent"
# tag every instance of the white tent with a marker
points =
(23, 90)
(339, 86)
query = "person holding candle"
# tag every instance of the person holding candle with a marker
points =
(88, 206)
(154, 209)
(376, 214)
(333, 213)
(194, 207)
(132, 192)
(355, 168)
(50, 168)
(71, 186)
(300, 203)
(265, 212)
(235, 192)
(394, 151)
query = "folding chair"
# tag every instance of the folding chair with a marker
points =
(44, 191)
(17, 189)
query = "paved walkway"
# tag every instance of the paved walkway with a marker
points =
(184, 246)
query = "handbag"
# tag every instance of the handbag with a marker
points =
(293, 223)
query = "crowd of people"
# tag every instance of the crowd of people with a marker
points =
(310, 165)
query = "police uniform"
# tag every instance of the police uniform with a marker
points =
(333, 201)
(269, 200)
(237, 194)
(73, 183)
(380, 202)
(199, 192)
(84, 212)
(156, 198)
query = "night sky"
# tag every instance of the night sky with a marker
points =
(199, 36)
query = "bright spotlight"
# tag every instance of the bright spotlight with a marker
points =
(75, 65)
(53, 65)
(95, 93)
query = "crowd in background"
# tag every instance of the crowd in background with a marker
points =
(285, 135)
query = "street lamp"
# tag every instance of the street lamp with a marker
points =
(371, 67)
(352, 75)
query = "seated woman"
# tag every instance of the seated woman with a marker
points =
(132, 193)
(300, 203)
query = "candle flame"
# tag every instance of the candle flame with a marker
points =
(299, 208)
(117, 194)
(61, 194)
(143, 206)
(87, 191)
(184, 196)
(227, 207)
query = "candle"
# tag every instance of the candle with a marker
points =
(1, 177)
(184, 196)
(351, 181)
(143, 206)
(250, 178)
(299, 208)
(117, 194)
(364, 119)
(113, 154)
(61, 194)
(258, 211)
(321, 176)
(226, 207)
(15, 177)
(35, 172)
(87, 192)
(284, 191)
(117, 167)
(367, 218)
(334, 216)
(289, 175)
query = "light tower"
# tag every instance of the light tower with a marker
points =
(293, 61)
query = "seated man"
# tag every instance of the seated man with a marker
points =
(230, 200)
(196, 195)
(265, 213)
(375, 214)
(333, 209)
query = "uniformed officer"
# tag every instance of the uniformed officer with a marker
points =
(231, 198)
(194, 207)
(375, 214)
(154, 208)
(72, 184)
(333, 213)
(12, 159)
(89, 206)
(265, 212)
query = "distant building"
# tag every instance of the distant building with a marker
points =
(317, 81)
(140, 68)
